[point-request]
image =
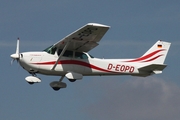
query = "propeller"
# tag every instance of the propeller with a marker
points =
(16, 55)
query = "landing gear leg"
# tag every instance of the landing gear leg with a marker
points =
(60, 80)
(33, 74)
(56, 85)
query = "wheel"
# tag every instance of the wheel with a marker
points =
(56, 85)
(31, 83)
(56, 88)
(72, 80)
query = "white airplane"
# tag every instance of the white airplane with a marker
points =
(69, 58)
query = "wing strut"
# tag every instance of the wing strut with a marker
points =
(64, 49)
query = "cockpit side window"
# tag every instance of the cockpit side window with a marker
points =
(67, 53)
(50, 50)
(80, 55)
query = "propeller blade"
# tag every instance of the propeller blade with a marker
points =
(16, 55)
(17, 47)
(12, 61)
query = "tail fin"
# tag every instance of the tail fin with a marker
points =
(153, 59)
(155, 55)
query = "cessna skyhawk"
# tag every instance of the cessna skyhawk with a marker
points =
(69, 58)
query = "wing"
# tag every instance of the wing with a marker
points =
(84, 39)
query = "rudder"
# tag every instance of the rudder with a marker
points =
(157, 53)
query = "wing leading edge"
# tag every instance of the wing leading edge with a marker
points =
(85, 38)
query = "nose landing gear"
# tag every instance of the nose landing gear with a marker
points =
(32, 79)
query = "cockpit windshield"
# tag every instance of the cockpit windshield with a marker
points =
(91, 56)
(50, 50)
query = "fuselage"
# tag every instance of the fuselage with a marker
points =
(43, 62)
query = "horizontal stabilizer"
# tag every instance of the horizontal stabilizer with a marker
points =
(155, 68)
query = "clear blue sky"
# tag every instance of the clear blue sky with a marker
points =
(135, 27)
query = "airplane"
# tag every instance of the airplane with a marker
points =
(69, 58)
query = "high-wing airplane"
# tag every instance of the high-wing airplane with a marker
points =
(69, 58)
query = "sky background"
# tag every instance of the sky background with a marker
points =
(135, 26)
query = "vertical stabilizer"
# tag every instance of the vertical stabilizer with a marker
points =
(152, 62)
(157, 53)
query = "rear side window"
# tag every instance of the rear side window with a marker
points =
(81, 55)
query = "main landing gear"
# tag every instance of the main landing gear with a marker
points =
(56, 85)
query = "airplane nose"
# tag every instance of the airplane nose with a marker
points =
(14, 56)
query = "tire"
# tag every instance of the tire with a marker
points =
(72, 80)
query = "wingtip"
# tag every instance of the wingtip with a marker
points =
(97, 24)
(164, 42)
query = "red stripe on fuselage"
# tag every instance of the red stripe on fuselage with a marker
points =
(147, 56)
(75, 62)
